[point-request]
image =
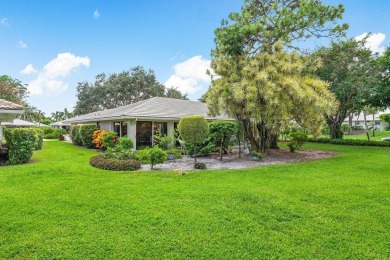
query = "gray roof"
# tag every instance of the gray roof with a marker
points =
(154, 108)
(59, 123)
(19, 122)
(7, 105)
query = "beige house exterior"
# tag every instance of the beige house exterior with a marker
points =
(140, 121)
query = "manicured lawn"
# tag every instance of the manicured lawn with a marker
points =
(378, 136)
(60, 207)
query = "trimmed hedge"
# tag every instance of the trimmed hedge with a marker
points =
(354, 142)
(39, 138)
(21, 144)
(75, 135)
(53, 133)
(114, 165)
(86, 135)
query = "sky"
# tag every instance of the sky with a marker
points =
(52, 45)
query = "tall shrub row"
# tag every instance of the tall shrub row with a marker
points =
(39, 138)
(86, 135)
(75, 135)
(82, 135)
(21, 144)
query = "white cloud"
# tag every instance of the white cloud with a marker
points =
(4, 21)
(22, 45)
(96, 14)
(49, 81)
(373, 42)
(190, 76)
(29, 69)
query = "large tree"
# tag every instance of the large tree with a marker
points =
(12, 89)
(261, 84)
(353, 77)
(271, 91)
(119, 89)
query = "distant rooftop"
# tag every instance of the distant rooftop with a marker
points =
(7, 105)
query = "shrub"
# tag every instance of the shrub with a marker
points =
(221, 132)
(156, 156)
(345, 128)
(297, 139)
(75, 135)
(325, 130)
(257, 155)
(97, 138)
(201, 150)
(357, 128)
(385, 117)
(200, 166)
(86, 134)
(126, 143)
(21, 144)
(118, 153)
(143, 155)
(114, 165)
(193, 130)
(52, 133)
(110, 139)
(153, 156)
(39, 138)
(175, 152)
(350, 142)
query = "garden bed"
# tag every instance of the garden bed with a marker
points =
(232, 161)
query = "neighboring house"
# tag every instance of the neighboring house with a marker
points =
(61, 125)
(19, 123)
(141, 120)
(372, 120)
(8, 111)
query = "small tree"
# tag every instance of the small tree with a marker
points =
(156, 156)
(221, 132)
(194, 130)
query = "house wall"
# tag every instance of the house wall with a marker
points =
(107, 125)
(132, 127)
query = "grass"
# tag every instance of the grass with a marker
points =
(378, 135)
(60, 207)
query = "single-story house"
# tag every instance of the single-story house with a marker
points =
(61, 125)
(373, 120)
(19, 123)
(141, 120)
(8, 111)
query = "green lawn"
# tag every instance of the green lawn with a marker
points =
(60, 207)
(378, 136)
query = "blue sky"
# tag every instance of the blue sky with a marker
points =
(52, 45)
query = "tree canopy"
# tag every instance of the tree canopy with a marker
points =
(119, 89)
(353, 77)
(12, 89)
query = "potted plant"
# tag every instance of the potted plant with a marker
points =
(256, 156)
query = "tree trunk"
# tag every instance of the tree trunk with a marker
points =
(220, 152)
(274, 141)
(373, 125)
(335, 129)
(249, 133)
(366, 125)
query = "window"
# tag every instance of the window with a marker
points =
(160, 127)
(143, 134)
(123, 128)
(117, 128)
